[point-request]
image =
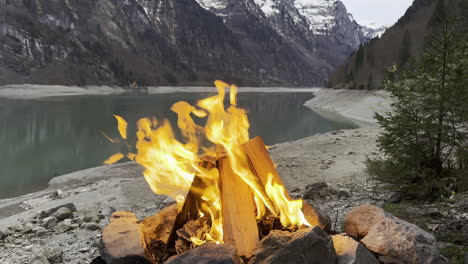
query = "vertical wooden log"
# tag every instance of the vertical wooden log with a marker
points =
(238, 208)
(261, 162)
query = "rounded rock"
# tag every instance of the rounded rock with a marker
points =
(91, 226)
(49, 222)
(62, 213)
(361, 219)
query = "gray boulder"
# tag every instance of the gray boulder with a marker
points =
(4, 233)
(53, 255)
(49, 222)
(318, 190)
(208, 253)
(349, 251)
(51, 211)
(91, 218)
(402, 240)
(307, 246)
(62, 213)
(62, 227)
(389, 236)
(39, 231)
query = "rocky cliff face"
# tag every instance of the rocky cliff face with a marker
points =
(170, 42)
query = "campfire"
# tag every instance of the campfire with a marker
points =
(225, 185)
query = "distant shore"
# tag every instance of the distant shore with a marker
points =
(33, 91)
(357, 105)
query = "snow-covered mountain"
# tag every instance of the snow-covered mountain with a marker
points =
(321, 30)
(372, 30)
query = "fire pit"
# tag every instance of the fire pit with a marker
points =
(225, 185)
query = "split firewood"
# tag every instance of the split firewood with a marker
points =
(194, 228)
(263, 166)
(192, 203)
(160, 225)
(238, 208)
(261, 162)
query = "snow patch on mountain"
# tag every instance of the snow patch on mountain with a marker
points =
(213, 4)
(319, 14)
(269, 7)
(372, 30)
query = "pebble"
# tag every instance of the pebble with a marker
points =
(91, 218)
(83, 250)
(90, 226)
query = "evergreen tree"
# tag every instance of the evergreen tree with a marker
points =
(428, 124)
(405, 49)
(370, 82)
(359, 56)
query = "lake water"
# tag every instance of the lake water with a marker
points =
(41, 139)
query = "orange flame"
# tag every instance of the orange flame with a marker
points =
(170, 165)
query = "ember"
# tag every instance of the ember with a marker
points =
(226, 186)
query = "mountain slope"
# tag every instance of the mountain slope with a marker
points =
(367, 67)
(321, 31)
(174, 42)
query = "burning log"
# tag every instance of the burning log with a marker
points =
(192, 204)
(264, 167)
(261, 162)
(157, 232)
(238, 207)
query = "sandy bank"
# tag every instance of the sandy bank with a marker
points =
(33, 91)
(358, 105)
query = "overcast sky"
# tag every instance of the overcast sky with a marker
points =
(384, 12)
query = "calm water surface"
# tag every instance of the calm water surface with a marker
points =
(41, 139)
